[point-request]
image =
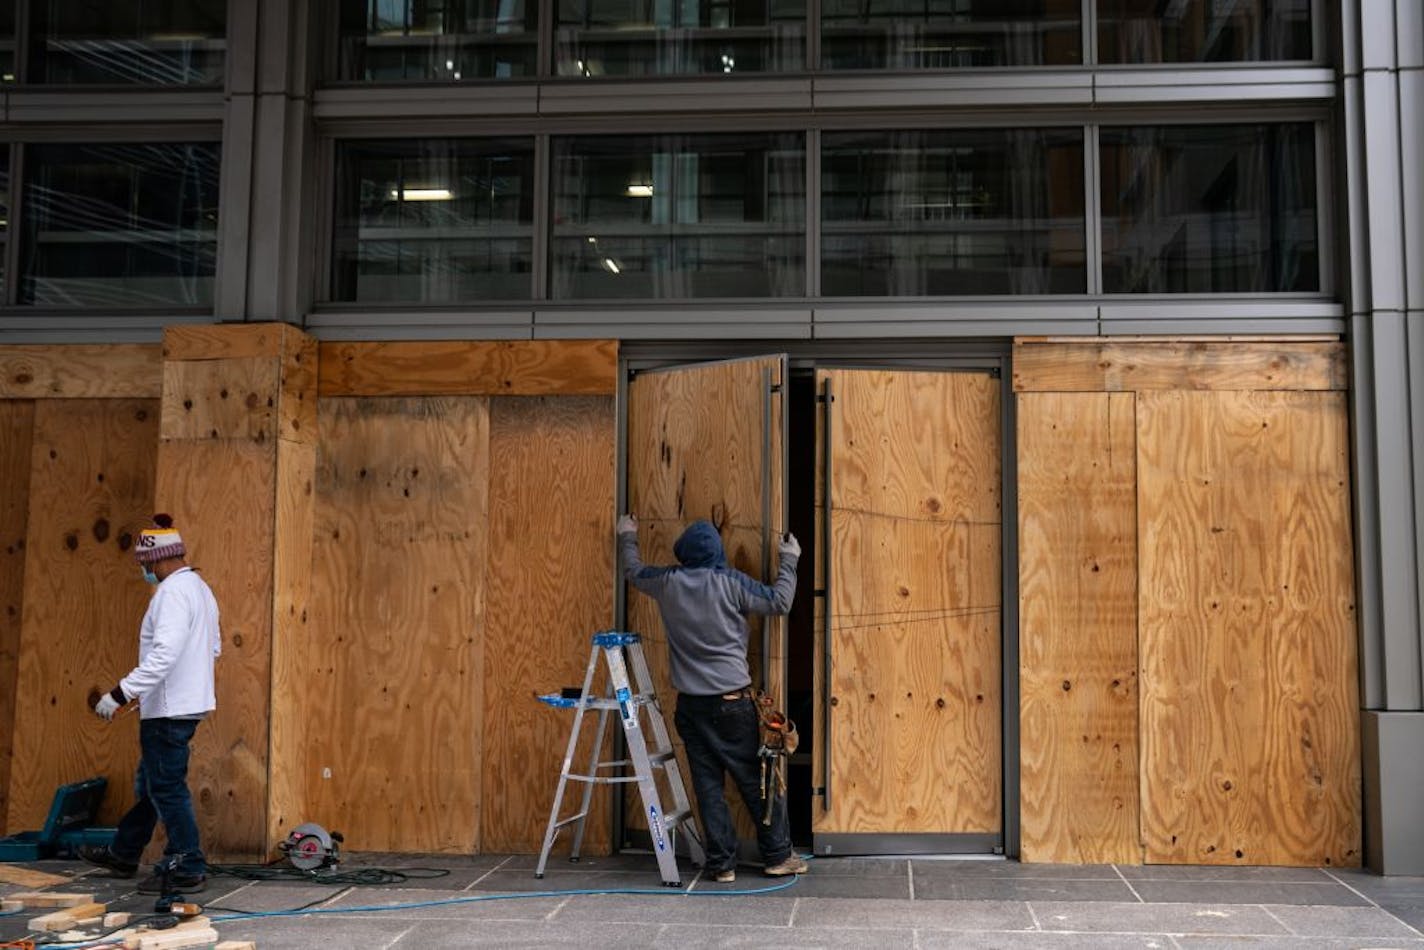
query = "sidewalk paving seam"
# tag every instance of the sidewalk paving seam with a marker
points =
(1276, 917)
(1372, 902)
(1033, 915)
(910, 873)
(1129, 884)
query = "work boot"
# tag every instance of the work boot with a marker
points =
(725, 877)
(792, 864)
(106, 859)
(177, 884)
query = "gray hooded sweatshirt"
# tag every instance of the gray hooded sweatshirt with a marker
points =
(704, 604)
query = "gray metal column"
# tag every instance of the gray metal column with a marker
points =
(1382, 74)
(268, 163)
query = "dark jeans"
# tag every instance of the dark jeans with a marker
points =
(161, 790)
(722, 735)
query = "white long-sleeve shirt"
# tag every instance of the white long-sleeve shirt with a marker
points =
(178, 641)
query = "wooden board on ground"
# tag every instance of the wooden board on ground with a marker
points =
(1077, 505)
(32, 899)
(91, 489)
(17, 421)
(221, 495)
(398, 629)
(549, 583)
(28, 877)
(1249, 722)
(703, 442)
(68, 917)
(915, 602)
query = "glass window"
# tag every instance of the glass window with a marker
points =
(4, 213)
(1203, 31)
(679, 216)
(122, 225)
(961, 212)
(949, 34)
(164, 42)
(388, 40)
(662, 37)
(434, 220)
(7, 41)
(1209, 209)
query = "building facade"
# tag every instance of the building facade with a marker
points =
(982, 188)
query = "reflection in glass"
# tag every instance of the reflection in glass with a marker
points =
(120, 225)
(1203, 31)
(386, 40)
(434, 220)
(961, 212)
(4, 214)
(7, 41)
(679, 216)
(949, 34)
(1209, 209)
(128, 41)
(663, 37)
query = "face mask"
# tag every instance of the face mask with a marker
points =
(148, 575)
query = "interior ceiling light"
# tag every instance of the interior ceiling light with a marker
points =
(610, 265)
(422, 194)
(639, 191)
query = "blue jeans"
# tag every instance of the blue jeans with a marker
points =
(161, 793)
(722, 736)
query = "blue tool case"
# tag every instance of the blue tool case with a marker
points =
(69, 826)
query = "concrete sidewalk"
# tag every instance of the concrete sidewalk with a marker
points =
(842, 902)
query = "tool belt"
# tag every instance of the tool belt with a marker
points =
(779, 739)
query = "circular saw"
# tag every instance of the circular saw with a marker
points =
(310, 847)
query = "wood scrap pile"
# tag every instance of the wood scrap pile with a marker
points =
(78, 918)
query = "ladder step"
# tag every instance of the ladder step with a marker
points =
(571, 819)
(658, 758)
(673, 819)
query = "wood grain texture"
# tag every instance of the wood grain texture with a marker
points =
(222, 495)
(1110, 366)
(91, 488)
(1077, 501)
(81, 371)
(221, 399)
(470, 368)
(297, 405)
(291, 636)
(398, 633)
(1249, 712)
(915, 690)
(227, 341)
(549, 583)
(17, 420)
(697, 437)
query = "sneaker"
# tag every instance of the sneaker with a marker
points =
(725, 877)
(106, 859)
(793, 864)
(177, 884)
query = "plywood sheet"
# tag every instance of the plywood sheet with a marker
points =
(81, 371)
(226, 341)
(915, 685)
(698, 448)
(399, 622)
(1077, 509)
(221, 399)
(550, 583)
(17, 419)
(91, 487)
(1249, 715)
(222, 496)
(1115, 366)
(470, 368)
(292, 658)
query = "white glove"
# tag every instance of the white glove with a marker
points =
(106, 707)
(789, 546)
(628, 524)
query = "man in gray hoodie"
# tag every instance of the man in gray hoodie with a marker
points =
(704, 603)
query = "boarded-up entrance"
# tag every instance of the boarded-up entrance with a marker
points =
(909, 656)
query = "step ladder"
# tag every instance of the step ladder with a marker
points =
(628, 701)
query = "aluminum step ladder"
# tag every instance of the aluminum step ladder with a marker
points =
(629, 702)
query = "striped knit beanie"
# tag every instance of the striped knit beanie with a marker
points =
(160, 541)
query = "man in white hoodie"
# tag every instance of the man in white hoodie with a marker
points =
(173, 685)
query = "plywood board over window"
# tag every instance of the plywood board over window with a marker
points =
(1250, 735)
(394, 686)
(17, 420)
(91, 489)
